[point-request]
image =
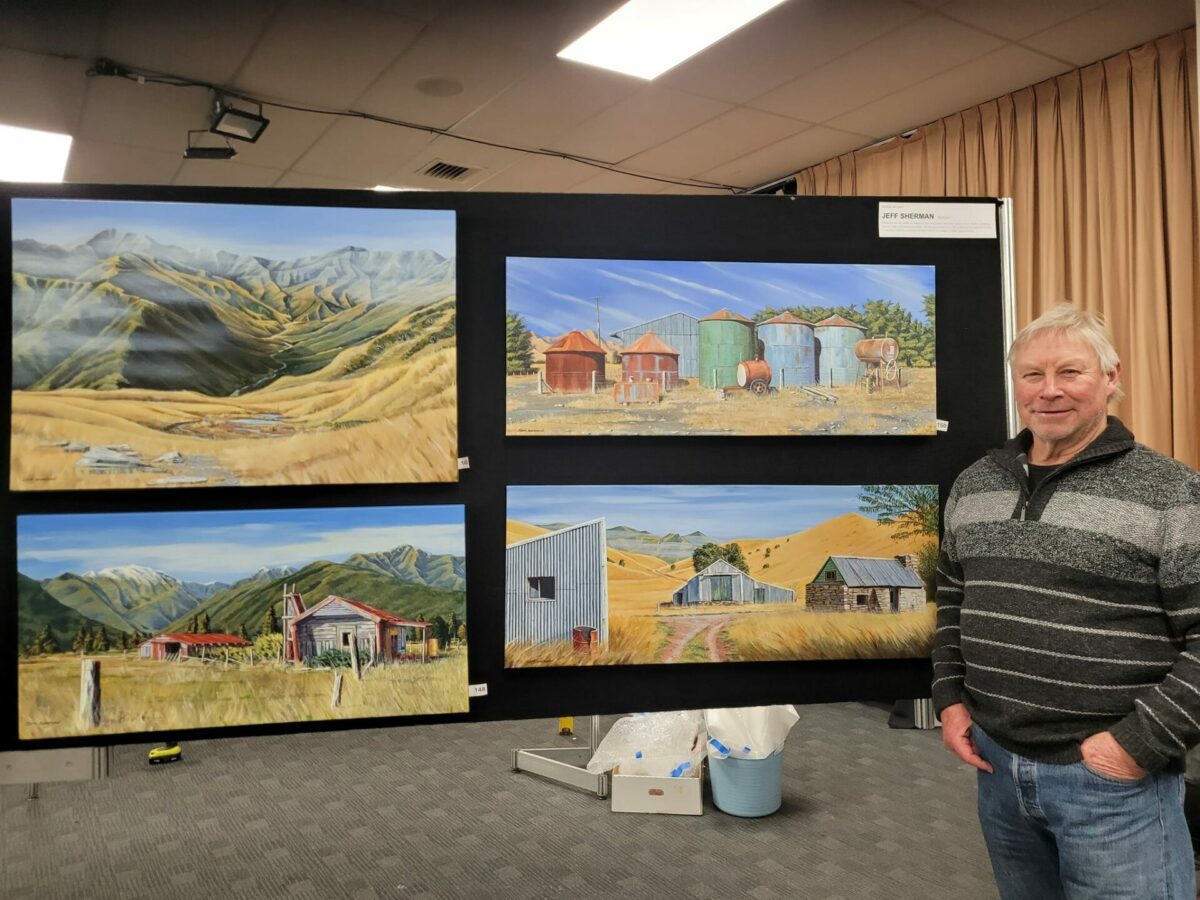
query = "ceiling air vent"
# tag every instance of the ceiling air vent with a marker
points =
(446, 171)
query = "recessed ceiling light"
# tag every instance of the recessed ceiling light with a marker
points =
(30, 155)
(645, 38)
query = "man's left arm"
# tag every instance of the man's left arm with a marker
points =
(1165, 721)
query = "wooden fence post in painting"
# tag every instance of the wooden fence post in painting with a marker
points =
(539, 377)
(336, 697)
(354, 660)
(89, 693)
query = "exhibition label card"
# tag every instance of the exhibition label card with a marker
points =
(937, 220)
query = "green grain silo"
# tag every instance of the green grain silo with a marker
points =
(726, 339)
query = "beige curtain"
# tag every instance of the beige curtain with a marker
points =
(1101, 165)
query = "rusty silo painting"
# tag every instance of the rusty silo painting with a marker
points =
(726, 339)
(789, 347)
(574, 364)
(684, 356)
(650, 359)
(836, 360)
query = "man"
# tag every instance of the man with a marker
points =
(1068, 598)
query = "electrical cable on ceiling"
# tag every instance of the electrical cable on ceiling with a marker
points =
(109, 68)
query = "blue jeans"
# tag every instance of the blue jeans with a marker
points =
(1064, 831)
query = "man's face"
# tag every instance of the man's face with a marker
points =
(1062, 394)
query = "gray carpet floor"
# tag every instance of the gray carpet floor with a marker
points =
(436, 812)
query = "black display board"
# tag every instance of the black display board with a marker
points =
(491, 227)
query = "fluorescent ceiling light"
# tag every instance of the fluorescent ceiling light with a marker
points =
(388, 187)
(29, 155)
(645, 38)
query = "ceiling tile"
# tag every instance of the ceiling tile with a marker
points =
(482, 67)
(1000, 72)
(363, 151)
(51, 91)
(536, 174)
(97, 162)
(534, 26)
(156, 116)
(484, 160)
(289, 136)
(900, 58)
(207, 41)
(651, 116)
(1113, 28)
(308, 180)
(783, 158)
(55, 26)
(788, 41)
(224, 173)
(617, 183)
(325, 54)
(1016, 19)
(727, 137)
(556, 98)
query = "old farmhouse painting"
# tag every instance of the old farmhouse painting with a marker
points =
(644, 574)
(210, 619)
(203, 344)
(679, 347)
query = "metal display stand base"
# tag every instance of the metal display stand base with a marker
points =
(565, 765)
(36, 767)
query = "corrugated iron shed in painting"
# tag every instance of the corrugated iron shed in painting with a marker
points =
(721, 582)
(572, 362)
(649, 358)
(870, 571)
(555, 582)
(679, 330)
(789, 347)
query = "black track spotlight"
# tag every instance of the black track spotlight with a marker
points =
(200, 152)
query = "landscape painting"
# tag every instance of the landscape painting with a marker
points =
(160, 622)
(206, 344)
(677, 347)
(648, 574)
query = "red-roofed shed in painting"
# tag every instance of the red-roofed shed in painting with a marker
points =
(167, 646)
(339, 623)
(574, 363)
(650, 358)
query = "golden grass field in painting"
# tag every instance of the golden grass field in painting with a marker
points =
(148, 695)
(394, 421)
(696, 410)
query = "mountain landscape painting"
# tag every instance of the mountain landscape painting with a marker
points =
(649, 574)
(191, 344)
(218, 618)
(686, 347)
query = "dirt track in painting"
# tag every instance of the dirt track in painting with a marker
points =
(335, 427)
(643, 632)
(147, 695)
(693, 410)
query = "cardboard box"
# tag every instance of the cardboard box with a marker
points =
(651, 794)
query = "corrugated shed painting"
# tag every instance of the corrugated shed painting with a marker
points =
(647, 574)
(678, 347)
(162, 622)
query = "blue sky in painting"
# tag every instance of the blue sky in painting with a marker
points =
(556, 295)
(723, 512)
(275, 232)
(228, 545)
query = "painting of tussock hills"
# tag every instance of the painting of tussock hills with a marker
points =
(188, 344)
(140, 622)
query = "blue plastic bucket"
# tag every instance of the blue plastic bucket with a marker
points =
(747, 787)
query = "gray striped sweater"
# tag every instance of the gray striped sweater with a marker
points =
(1074, 609)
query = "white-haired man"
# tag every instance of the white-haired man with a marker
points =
(1068, 593)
